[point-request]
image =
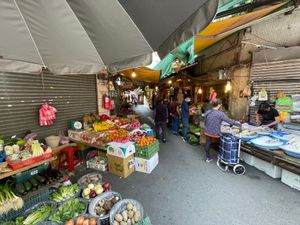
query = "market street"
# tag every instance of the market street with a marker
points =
(184, 189)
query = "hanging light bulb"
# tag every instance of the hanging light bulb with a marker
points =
(133, 74)
(170, 82)
(228, 87)
(200, 91)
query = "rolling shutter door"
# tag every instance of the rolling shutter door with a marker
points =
(274, 77)
(21, 96)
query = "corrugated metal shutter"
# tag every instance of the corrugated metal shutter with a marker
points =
(21, 96)
(274, 77)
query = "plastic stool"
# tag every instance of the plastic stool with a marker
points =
(70, 161)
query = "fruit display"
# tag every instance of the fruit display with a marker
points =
(104, 205)
(130, 215)
(68, 211)
(119, 135)
(92, 191)
(8, 200)
(82, 220)
(39, 214)
(102, 126)
(65, 192)
(137, 135)
(145, 141)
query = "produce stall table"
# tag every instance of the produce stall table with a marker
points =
(276, 157)
(87, 144)
(8, 174)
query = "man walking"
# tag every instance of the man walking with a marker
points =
(185, 117)
(174, 108)
(161, 120)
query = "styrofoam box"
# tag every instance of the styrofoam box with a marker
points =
(290, 179)
(247, 158)
(270, 169)
(146, 165)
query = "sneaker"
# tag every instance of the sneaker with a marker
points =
(183, 139)
(164, 140)
(208, 160)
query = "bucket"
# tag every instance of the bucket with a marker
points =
(52, 141)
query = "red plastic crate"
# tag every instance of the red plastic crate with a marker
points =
(27, 162)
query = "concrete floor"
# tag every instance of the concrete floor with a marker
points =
(185, 190)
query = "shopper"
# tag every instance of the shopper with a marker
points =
(161, 120)
(270, 116)
(185, 117)
(213, 120)
(174, 109)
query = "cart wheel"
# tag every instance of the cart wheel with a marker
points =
(239, 169)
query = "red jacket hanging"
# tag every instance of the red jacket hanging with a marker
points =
(47, 114)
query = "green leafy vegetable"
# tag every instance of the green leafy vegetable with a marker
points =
(68, 211)
(65, 192)
(39, 215)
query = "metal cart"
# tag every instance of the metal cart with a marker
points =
(229, 155)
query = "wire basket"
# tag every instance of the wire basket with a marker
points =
(82, 213)
(121, 206)
(84, 185)
(38, 205)
(104, 220)
(28, 203)
(66, 200)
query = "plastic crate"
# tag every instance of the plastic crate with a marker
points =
(28, 203)
(26, 175)
(146, 152)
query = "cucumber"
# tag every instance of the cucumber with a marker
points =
(20, 188)
(34, 182)
(40, 179)
(27, 185)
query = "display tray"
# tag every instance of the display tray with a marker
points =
(267, 142)
(290, 150)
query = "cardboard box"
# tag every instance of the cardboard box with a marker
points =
(122, 150)
(146, 165)
(270, 169)
(291, 179)
(121, 167)
(247, 158)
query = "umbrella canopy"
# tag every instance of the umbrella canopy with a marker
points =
(81, 36)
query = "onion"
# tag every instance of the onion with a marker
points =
(93, 221)
(79, 220)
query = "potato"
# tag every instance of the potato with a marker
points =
(136, 218)
(123, 223)
(129, 222)
(116, 223)
(125, 215)
(134, 209)
(130, 214)
(132, 221)
(138, 213)
(129, 206)
(118, 217)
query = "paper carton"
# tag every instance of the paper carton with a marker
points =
(122, 150)
(146, 165)
(121, 167)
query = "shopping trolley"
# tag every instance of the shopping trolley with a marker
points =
(229, 155)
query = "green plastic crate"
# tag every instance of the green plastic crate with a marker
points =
(147, 152)
(29, 201)
(26, 175)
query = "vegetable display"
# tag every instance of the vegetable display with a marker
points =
(39, 215)
(82, 220)
(8, 200)
(104, 206)
(65, 192)
(92, 191)
(130, 215)
(68, 211)
(93, 178)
